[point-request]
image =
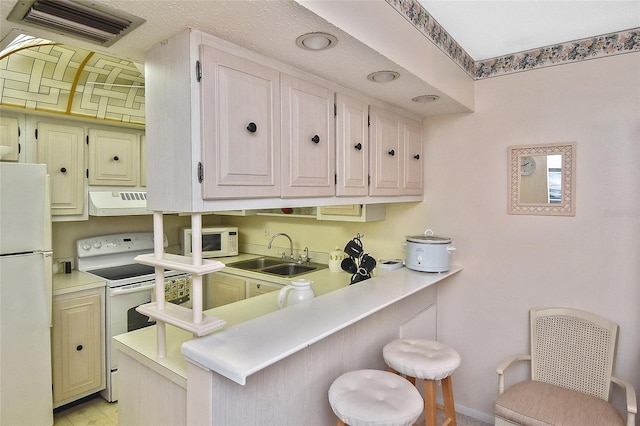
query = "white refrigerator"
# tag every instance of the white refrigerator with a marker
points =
(25, 296)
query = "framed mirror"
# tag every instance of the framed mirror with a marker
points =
(542, 179)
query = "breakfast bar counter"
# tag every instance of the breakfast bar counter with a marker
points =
(270, 366)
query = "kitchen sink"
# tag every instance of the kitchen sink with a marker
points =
(256, 264)
(275, 266)
(289, 270)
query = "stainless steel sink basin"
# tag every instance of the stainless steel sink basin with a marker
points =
(256, 264)
(275, 266)
(289, 270)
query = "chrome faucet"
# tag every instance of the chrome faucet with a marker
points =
(290, 244)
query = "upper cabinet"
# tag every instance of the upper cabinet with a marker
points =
(396, 159)
(61, 148)
(352, 141)
(242, 131)
(114, 158)
(240, 127)
(10, 137)
(308, 144)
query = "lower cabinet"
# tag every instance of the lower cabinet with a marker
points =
(222, 288)
(77, 345)
(256, 288)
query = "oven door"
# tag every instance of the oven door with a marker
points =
(122, 317)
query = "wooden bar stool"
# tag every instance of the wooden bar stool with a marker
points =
(431, 361)
(374, 398)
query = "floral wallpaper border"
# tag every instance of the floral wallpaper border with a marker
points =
(562, 53)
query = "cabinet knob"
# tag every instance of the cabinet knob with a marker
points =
(417, 156)
(63, 170)
(392, 153)
(358, 146)
(79, 348)
(116, 158)
(252, 127)
(315, 139)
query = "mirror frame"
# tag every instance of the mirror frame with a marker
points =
(567, 207)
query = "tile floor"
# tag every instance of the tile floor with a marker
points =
(93, 412)
(99, 412)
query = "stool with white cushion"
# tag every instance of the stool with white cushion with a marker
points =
(374, 397)
(431, 361)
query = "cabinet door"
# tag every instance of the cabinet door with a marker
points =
(352, 147)
(143, 160)
(224, 289)
(114, 158)
(76, 347)
(9, 136)
(240, 127)
(61, 148)
(256, 288)
(308, 147)
(353, 213)
(386, 161)
(413, 158)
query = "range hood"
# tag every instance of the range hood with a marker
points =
(117, 203)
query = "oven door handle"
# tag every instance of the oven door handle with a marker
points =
(121, 291)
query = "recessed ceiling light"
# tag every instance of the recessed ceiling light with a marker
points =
(383, 76)
(425, 99)
(316, 41)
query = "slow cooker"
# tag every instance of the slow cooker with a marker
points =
(429, 253)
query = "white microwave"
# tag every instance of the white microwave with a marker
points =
(218, 241)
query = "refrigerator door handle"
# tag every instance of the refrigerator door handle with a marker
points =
(48, 282)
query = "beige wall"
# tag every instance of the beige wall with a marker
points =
(514, 263)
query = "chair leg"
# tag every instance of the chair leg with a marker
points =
(430, 403)
(447, 396)
(341, 423)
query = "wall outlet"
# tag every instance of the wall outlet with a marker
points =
(267, 233)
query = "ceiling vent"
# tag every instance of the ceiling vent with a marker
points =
(79, 19)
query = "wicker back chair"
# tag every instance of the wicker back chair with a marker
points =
(572, 358)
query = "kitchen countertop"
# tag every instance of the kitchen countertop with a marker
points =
(75, 281)
(239, 351)
(254, 337)
(142, 344)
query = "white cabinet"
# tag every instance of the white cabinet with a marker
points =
(143, 160)
(222, 289)
(352, 146)
(247, 132)
(114, 158)
(10, 136)
(61, 148)
(240, 127)
(77, 345)
(257, 287)
(308, 144)
(396, 161)
(353, 213)
(413, 157)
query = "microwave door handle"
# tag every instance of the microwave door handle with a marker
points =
(120, 291)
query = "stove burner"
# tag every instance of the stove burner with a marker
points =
(124, 271)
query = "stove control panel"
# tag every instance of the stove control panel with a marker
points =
(117, 243)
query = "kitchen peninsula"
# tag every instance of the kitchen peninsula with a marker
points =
(270, 366)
